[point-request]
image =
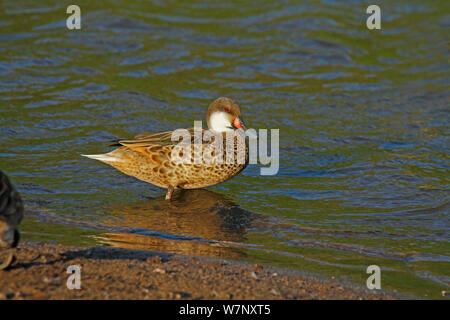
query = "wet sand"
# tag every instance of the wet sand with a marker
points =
(112, 273)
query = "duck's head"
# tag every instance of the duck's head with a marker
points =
(224, 115)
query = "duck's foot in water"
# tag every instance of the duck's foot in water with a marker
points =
(169, 192)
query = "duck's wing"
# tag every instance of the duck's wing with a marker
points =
(11, 214)
(144, 141)
(148, 138)
(154, 139)
(161, 138)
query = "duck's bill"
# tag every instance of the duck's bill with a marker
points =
(10, 258)
(239, 124)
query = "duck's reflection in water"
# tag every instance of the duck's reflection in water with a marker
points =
(196, 222)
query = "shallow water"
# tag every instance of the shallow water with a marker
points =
(363, 118)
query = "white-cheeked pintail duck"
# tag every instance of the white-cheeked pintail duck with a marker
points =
(150, 156)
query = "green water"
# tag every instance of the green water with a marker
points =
(363, 118)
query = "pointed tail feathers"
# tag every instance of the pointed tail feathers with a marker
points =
(105, 157)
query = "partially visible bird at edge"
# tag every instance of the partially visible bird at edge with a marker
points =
(147, 157)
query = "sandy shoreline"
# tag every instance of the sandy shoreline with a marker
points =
(112, 273)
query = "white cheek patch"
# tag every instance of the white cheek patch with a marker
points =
(220, 122)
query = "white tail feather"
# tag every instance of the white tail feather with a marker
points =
(106, 157)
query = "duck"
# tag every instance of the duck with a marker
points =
(156, 159)
(11, 214)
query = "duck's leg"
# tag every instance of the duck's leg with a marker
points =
(169, 192)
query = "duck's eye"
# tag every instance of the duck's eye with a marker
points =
(227, 109)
